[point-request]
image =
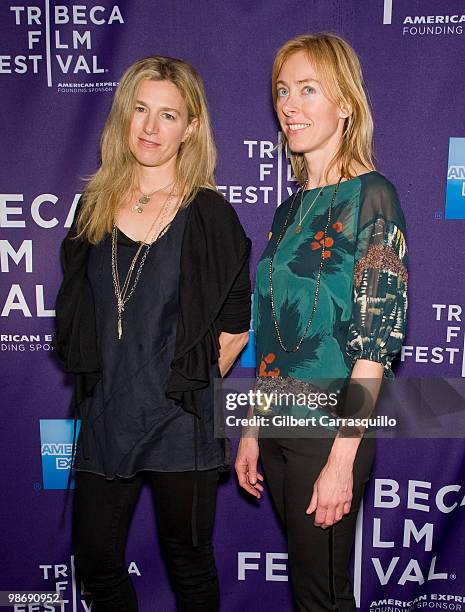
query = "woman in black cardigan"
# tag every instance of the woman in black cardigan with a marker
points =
(154, 304)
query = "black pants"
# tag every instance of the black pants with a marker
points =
(318, 558)
(102, 514)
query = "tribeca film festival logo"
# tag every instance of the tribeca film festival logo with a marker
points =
(61, 578)
(274, 175)
(449, 318)
(60, 38)
(407, 553)
(424, 25)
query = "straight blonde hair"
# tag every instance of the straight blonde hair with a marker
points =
(341, 78)
(196, 159)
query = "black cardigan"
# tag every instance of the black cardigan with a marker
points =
(214, 296)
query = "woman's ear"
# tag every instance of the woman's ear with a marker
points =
(190, 128)
(345, 110)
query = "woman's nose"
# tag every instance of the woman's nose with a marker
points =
(289, 107)
(150, 125)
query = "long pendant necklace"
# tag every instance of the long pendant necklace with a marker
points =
(318, 279)
(121, 293)
(145, 198)
(298, 229)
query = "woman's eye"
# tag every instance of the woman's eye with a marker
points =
(140, 109)
(282, 91)
(308, 89)
(169, 116)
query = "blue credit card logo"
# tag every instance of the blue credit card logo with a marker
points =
(56, 443)
(455, 192)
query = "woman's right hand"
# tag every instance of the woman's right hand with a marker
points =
(246, 466)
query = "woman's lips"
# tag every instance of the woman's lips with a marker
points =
(297, 128)
(148, 144)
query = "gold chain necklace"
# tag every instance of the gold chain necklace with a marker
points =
(121, 294)
(138, 207)
(318, 280)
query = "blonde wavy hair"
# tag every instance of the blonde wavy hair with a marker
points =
(196, 159)
(341, 78)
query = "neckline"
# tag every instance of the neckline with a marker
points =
(342, 182)
(162, 234)
(129, 239)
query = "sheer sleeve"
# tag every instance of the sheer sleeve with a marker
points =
(379, 311)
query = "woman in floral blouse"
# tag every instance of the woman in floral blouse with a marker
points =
(329, 309)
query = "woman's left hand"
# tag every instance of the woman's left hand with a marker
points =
(332, 494)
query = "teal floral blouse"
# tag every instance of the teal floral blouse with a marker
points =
(362, 302)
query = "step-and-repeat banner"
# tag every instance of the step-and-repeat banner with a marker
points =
(60, 62)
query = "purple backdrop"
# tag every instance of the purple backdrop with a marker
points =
(59, 64)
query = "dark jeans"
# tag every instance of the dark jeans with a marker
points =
(318, 558)
(102, 514)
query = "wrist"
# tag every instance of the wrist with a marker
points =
(249, 433)
(343, 452)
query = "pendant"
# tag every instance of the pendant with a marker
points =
(120, 317)
(298, 229)
(141, 202)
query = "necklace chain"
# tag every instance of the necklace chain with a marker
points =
(298, 229)
(145, 198)
(318, 279)
(121, 294)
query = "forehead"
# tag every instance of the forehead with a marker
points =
(160, 93)
(296, 67)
